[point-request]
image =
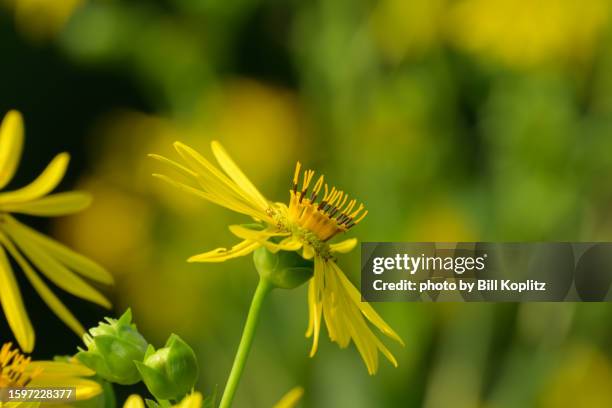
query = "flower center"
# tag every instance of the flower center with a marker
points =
(333, 214)
(13, 366)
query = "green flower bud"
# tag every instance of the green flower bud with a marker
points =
(112, 348)
(283, 269)
(170, 372)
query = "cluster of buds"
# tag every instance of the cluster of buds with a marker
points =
(118, 353)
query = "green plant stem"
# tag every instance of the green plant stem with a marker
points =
(263, 287)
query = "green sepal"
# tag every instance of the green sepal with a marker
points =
(283, 269)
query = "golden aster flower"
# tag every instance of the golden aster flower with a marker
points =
(316, 213)
(19, 371)
(29, 248)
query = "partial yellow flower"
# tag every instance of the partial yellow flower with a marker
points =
(313, 217)
(526, 34)
(17, 370)
(43, 19)
(291, 399)
(31, 249)
(193, 400)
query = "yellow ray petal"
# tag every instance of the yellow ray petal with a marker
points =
(55, 271)
(344, 246)
(12, 304)
(353, 326)
(287, 244)
(255, 235)
(314, 317)
(234, 205)
(335, 312)
(223, 254)
(11, 144)
(60, 369)
(85, 389)
(176, 166)
(291, 399)
(73, 260)
(215, 182)
(315, 302)
(51, 205)
(232, 169)
(43, 290)
(134, 401)
(383, 349)
(44, 183)
(365, 308)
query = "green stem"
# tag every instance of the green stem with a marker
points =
(263, 287)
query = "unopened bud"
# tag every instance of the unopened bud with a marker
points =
(112, 348)
(170, 372)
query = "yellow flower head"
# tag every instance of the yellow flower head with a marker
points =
(17, 370)
(32, 250)
(312, 218)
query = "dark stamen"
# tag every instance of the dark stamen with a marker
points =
(348, 220)
(321, 205)
(302, 194)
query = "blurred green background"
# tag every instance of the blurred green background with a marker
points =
(452, 120)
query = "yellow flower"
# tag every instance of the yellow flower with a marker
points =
(17, 370)
(193, 400)
(30, 248)
(312, 218)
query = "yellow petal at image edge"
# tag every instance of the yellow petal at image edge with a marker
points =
(11, 145)
(13, 306)
(51, 205)
(43, 290)
(42, 185)
(73, 260)
(60, 369)
(85, 389)
(54, 270)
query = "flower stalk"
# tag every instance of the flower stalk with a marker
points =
(246, 341)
